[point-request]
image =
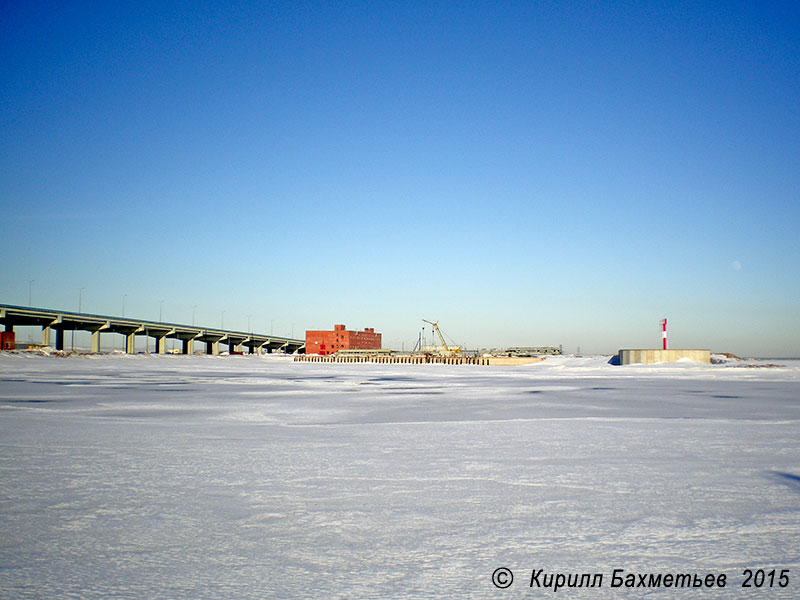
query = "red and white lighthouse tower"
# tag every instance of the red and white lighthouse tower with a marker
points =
(664, 333)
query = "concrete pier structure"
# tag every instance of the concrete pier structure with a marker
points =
(130, 343)
(98, 325)
(650, 356)
(420, 359)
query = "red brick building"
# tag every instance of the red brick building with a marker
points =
(7, 340)
(328, 342)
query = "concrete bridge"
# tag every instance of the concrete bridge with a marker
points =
(55, 322)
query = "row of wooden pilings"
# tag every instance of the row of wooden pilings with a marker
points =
(410, 360)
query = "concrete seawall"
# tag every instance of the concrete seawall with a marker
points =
(651, 356)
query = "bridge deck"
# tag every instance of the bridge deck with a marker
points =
(61, 320)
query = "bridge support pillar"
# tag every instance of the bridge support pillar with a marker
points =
(212, 348)
(130, 343)
(161, 345)
(45, 336)
(59, 339)
(188, 347)
(95, 341)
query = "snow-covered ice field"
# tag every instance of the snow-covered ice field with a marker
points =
(255, 477)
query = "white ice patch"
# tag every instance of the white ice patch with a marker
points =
(187, 477)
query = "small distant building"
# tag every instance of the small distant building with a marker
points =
(330, 342)
(533, 351)
(8, 340)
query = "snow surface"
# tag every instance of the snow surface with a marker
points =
(256, 477)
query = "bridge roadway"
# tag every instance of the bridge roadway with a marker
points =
(59, 321)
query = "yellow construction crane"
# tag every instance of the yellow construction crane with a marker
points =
(445, 348)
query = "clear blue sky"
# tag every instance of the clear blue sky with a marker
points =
(526, 173)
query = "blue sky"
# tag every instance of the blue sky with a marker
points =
(525, 173)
